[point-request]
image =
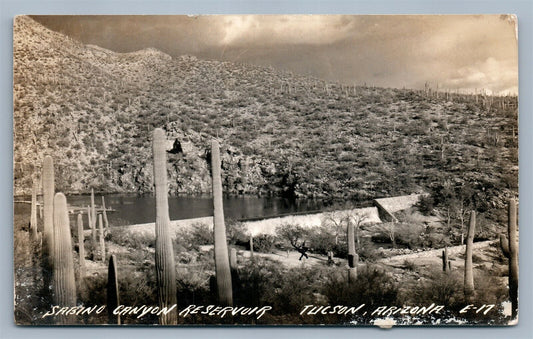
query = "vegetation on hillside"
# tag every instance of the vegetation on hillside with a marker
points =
(280, 133)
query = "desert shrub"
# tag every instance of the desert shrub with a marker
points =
(291, 236)
(137, 286)
(409, 265)
(123, 237)
(435, 240)
(236, 232)
(447, 289)
(322, 240)
(408, 235)
(201, 234)
(90, 249)
(293, 290)
(256, 280)
(373, 287)
(265, 243)
(193, 281)
(426, 204)
(93, 291)
(440, 288)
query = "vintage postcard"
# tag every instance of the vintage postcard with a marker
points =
(346, 170)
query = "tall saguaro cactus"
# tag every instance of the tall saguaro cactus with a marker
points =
(48, 201)
(91, 225)
(512, 229)
(64, 283)
(81, 245)
(33, 214)
(93, 209)
(164, 254)
(112, 291)
(47, 251)
(101, 235)
(104, 213)
(222, 267)
(469, 275)
(352, 256)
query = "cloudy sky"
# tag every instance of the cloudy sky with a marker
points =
(460, 52)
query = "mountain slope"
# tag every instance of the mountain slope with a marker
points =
(94, 110)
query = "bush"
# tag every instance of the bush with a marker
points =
(373, 287)
(447, 289)
(409, 265)
(295, 288)
(440, 288)
(201, 234)
(256, 280)
(265, 243)
(426, 204)
(291, 236)
(236, 232)
(322, 240)
(123, 237)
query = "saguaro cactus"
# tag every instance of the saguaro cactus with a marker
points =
(91, 225)
(33, 214)
(512, 229)
(64, 283)
(112, 291)
(93, 209)
(251, 246)
(164, 254)
(352, 256)
(233, 258)
(48, 202)
(47, 251)
(104, 213)
(81, 246)
(222, 267)
(469, 275)
(445, 260)
(102, 242)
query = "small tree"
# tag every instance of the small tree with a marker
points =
(294, 234)
(334, 220)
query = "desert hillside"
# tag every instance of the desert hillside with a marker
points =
(281, 133)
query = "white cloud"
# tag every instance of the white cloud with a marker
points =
(494, 76)
(301, 29)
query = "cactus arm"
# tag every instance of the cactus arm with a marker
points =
(504, 245)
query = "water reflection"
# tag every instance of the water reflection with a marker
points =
(135, 209)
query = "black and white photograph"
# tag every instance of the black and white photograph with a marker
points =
(265, 170)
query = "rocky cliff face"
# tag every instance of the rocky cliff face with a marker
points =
(93, 110)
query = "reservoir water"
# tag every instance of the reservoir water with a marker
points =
(137, 209)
